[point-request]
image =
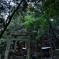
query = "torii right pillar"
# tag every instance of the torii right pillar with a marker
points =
(28, 49)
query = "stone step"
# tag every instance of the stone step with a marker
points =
(19, 57)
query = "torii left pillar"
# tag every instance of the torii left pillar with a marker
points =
(7, 49)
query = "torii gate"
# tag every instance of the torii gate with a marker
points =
(27, 40)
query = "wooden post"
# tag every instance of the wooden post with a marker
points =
(25, 44)
(37, 50)
(28, 49)
(51, 50)
(7, 49)
(0, 56)
(41, 53)
(15, 45)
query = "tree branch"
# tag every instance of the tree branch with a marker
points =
(10, 18)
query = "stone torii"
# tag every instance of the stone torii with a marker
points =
(20, 34)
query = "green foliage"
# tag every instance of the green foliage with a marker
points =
(51, 7)
(35, 18)
(28, 22)
(47, 3)
(28, 18)
(44, 22)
